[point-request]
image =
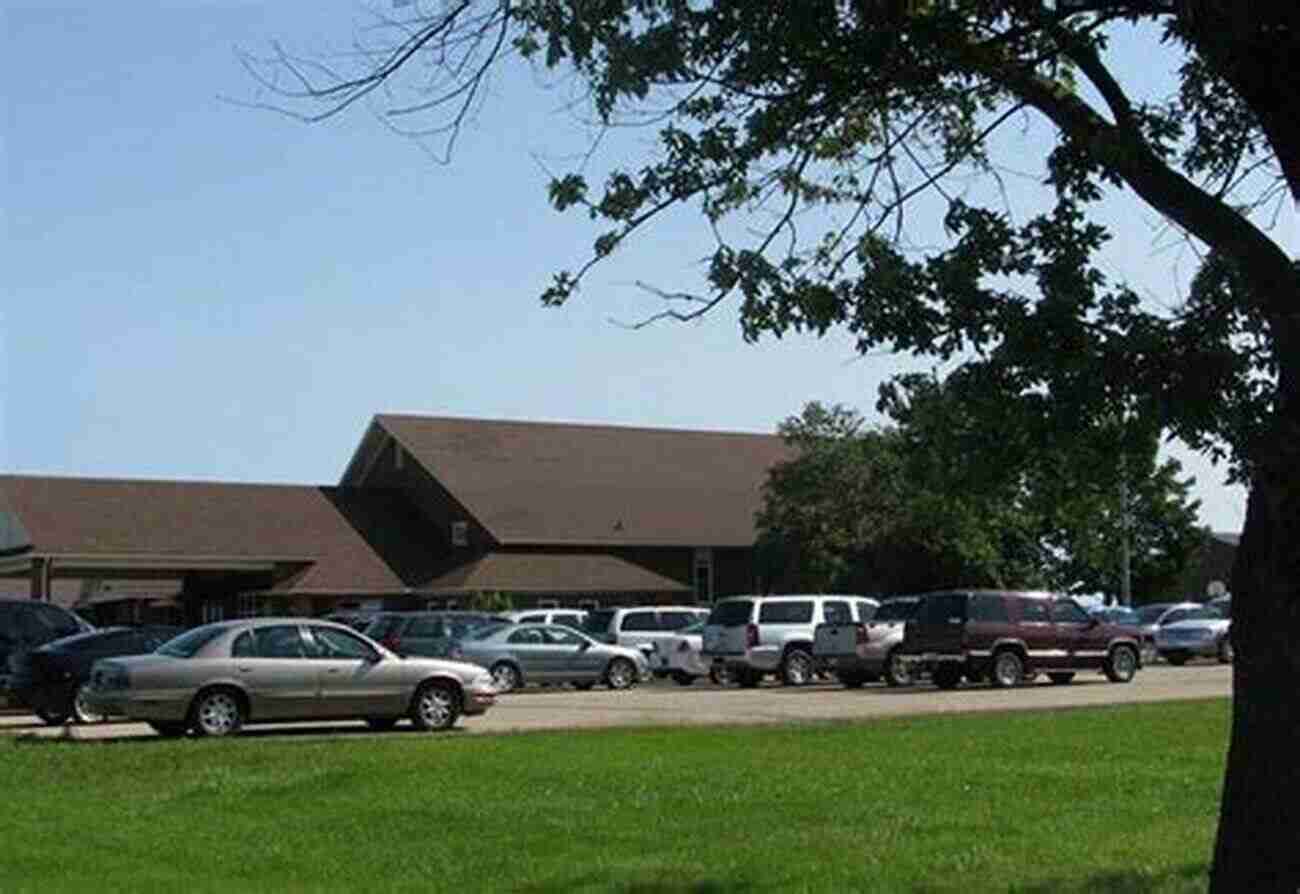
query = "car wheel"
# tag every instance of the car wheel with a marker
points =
(435, 707)
(621, 674)
(897, 671)
(1225, 651)
(381, 724)
(81, 710)
(681, 678)
(853, 681)
(217, 712)
(1177, 659)
(1062, 678)
(947, 676)
(1121, 664)
(1008, 669)
(797, 668)
(720, 676)
(167, 730)
(505, 676)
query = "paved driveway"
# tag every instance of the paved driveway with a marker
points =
(666, 704)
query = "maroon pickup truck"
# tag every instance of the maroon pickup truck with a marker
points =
(1008, 637)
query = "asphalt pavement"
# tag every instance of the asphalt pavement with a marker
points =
(664, 703)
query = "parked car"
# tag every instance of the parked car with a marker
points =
(1203, 632)
(26, 624)
(216, 678)
(357, 620)
(569, 617)
(1007, 637)
(751, 636)
(641, 627)
(428, 634)
(681, 658)
(519, 654)
(862, 651)
(1154, 615)
(50, 678)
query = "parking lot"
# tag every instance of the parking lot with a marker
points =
(666, 704)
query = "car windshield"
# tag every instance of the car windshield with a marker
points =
(1151, 613)
(731, 612)
(1208, 613)
(896, 610)
(189, 642)
(486, 630)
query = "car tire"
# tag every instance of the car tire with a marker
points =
(168, 730)
(1225, 651)
(1121, 664)
(797, 668)
(1008, 670)
(681, 678)
(435, 706)
(217, 712)
(1177, 659)
(897, 672)
(620, 674)
(81, 711)
(1061, 678)
(720, 676)
(506, 677)
(947, 676)
(381, 724)
(52, 718)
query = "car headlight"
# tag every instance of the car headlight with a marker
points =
(482, 681)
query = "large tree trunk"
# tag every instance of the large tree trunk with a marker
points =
(1258, 846)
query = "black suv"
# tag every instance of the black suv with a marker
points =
(26, 624)
(1007, 637)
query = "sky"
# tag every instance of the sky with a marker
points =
(196, 289)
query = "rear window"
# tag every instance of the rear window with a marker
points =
(676, 620)
(731, 613)
(837, 613)
(800, 612)
(640, 622)
(189, 642)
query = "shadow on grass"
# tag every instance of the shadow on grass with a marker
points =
(1191, 878)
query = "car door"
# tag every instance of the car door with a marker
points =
(1081, 636)
(271, 664)
(527, 646)
(1038, 633)
(574, 655)
(354, 680)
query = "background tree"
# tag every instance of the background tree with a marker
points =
(869, 107)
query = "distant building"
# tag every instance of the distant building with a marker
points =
(430, 511)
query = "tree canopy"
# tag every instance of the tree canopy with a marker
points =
(870, 110)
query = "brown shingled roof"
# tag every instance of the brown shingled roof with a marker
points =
(330, 528)
(545, 572)
(598, 485)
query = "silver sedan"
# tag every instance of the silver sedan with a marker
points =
(518, 654)
(217, 677)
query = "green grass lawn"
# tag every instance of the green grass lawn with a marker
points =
(1120, 799)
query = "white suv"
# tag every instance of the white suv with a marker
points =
(644, 627)
(750, 636)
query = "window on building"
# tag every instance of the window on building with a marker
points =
(213, 610)
(460, 533)
(247, 605)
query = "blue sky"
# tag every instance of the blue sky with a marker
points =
(198, 290)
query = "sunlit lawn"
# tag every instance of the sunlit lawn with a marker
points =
(1120, 799)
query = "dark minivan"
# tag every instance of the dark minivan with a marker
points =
(26, 624)
(1007, 637)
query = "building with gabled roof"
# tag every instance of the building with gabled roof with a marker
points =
(429, 511)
